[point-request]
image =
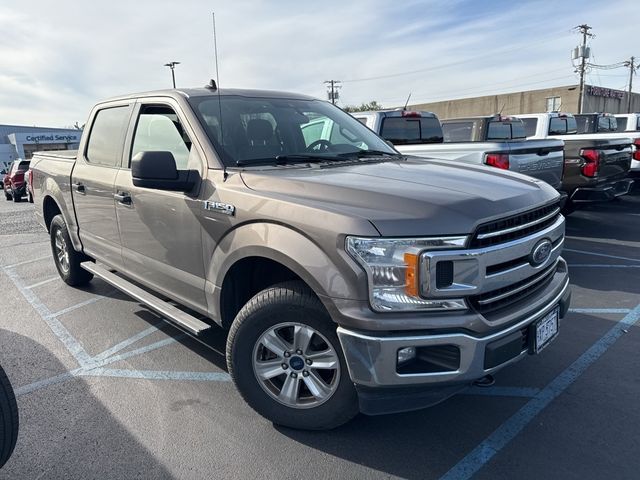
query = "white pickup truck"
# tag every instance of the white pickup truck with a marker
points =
(629, 123)
(495, 140)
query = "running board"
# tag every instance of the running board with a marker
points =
(171, 313)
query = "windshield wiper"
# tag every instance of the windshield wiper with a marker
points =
(289, 159)
(369, 153)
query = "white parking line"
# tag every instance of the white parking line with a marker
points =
(89, 301)
(129, 341)
(43, 282)
(160, 375)
(33, 260)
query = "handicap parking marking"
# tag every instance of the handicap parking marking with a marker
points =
(96, 298)
(508, 430)
(605, 255)
(127, 342)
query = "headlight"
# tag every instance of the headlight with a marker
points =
(392, 266)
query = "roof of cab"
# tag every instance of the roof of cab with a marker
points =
(203, 92)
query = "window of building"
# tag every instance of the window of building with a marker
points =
(554, 104)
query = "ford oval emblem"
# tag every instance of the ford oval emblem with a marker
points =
(541, 252)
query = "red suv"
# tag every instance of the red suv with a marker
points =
(14, 184)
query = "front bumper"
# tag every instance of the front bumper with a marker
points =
(372, 359)
(602, 193)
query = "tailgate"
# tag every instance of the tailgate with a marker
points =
(615, 158)
(542, 159)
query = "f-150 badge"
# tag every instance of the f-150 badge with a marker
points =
(220, 207)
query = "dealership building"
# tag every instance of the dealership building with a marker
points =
(20, 142)
(566, 99)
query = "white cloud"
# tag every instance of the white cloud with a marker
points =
(58, 58)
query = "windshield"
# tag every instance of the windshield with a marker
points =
(257, 129)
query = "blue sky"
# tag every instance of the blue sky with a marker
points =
(58, 58)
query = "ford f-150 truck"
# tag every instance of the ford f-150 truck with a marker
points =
(496, 140)
(596, 164)
(351, 278)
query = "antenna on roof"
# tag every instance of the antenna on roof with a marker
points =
(407, 102)
(215, 86)
(503, 105)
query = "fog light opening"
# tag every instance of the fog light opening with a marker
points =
(406, 354)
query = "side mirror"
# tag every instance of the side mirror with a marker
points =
(158, 170)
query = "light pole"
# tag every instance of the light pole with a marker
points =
(172, 66)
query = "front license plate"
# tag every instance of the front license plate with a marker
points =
(546, 329)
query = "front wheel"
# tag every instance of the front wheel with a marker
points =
(67, 260)
(285, 359)
(7, 194)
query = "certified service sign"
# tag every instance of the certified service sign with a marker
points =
(541, 252)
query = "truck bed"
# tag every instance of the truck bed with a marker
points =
(542, 159)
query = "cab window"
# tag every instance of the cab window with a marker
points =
(159, 130)
(107, 136)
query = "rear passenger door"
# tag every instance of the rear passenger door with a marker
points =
(160, 229)
(93, 179)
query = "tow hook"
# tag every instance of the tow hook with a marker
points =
(486, 381)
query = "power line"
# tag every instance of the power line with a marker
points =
(495, 53)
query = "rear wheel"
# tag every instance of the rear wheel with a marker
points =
(7, 194)
(285, 359)
(9, 420)
(66, 258)
(16, 197)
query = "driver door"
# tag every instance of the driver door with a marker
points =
(160, 229)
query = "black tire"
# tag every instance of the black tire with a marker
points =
(287, 302)
(16, 197)
(74, 274)
(30, 197)
(9, 420)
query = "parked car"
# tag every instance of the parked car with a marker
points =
(13, 182)
(615, 126)
(596, 164)
(497, 141)
(28, 181)
(352, 278)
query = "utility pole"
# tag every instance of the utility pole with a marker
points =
(632, 68)
(584, 54)
(332, 89)
(172, 66)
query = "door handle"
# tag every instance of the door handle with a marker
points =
(123, 198)
(79, 187)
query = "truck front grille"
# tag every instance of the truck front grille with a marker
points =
(515, 227)
(503, 297)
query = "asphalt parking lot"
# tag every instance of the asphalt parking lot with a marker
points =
(106, 389)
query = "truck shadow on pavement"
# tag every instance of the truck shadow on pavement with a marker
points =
(73, 435)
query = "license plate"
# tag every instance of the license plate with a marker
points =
(545, 329)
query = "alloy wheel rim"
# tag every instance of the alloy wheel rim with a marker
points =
(62, 251)
(296, 365)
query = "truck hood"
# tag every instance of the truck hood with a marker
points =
(409, 197)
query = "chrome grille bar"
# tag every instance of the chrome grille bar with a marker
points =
(482, 236)
(520, 288)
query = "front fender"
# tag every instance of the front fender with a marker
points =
(330, 274)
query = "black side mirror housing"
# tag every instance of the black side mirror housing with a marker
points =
(158, 170)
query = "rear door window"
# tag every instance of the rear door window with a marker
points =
(530, 126)
(458, 131)
(106, 139)
(411, 130)
(622, 124)
(505, 130)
